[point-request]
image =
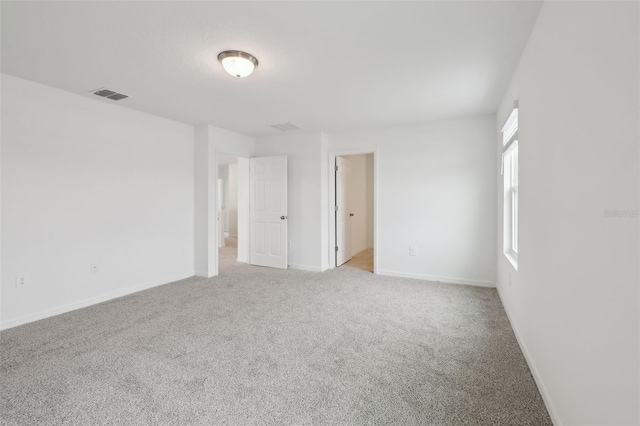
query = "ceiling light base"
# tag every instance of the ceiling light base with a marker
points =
(237, 63)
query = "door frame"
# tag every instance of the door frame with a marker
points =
(332, 202)
(218, 154)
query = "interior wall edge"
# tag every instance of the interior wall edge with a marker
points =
(62, 309)
(436, 278)
(305, 268)
(555, 418)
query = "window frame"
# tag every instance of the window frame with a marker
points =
(510, 171)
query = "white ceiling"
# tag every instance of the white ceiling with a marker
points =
(330, 66)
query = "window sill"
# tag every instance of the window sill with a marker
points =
(512, 258)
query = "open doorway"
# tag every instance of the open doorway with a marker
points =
(227, 211)
(354, 211)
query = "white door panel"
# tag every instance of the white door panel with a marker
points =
(343, 236)
(269, 212)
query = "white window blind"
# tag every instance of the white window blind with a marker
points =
(510, 128)
(510, 194)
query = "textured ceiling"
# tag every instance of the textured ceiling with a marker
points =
(330, 66)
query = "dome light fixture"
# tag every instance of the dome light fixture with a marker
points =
(238, 64)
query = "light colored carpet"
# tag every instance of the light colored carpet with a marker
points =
(265, 346)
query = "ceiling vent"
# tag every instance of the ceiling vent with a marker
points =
(285, 127)
(109, 94)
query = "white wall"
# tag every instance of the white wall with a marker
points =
(361, 201)
(574, 299)
(83, 182)
(206, 189)
(436, 191)
(244, 221)
(230, 143)
(370, 200)
(232, 200)
(324, 203)
(304, 194)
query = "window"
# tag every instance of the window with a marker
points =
(510, 194)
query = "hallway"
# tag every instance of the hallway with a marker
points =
(362, 261)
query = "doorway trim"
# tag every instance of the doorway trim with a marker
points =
(332, 201)
(245, 236)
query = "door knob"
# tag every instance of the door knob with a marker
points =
(283, 217)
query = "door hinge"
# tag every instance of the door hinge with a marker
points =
(336, 208)
(336, 248)
(336, 168)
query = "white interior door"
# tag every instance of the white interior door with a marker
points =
(268, 212)
(343, 236)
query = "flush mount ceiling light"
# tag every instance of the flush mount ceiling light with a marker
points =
(238, 64)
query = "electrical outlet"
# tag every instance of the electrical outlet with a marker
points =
(21, 281)
(413, 251)
(94, 267)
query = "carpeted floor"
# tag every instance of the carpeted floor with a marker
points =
(266, 346)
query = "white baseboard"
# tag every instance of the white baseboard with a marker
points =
(203, 274)
(532, 366)
(448, 280)
(233, 235)
(243, 260)
(306, 268)
(47, 313)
